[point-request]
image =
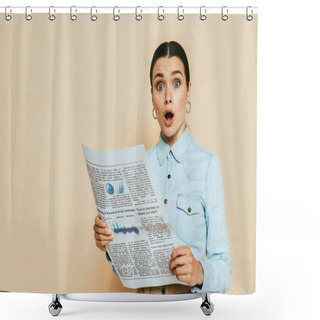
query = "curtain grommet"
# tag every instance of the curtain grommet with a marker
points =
(51, 17)
(138, 16)
(73, 17)
(93, 17)
(224, 16)
(160, 16)
(249, 17)
(180, 15)
(28, 16)
(203, 16)
(7, 16)
(116, 17)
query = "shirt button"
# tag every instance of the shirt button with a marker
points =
(189, 209)
(170, 152)
(169, 176)
(165, 201)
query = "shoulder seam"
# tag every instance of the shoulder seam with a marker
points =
(207, 178)
(202, 149)
(152, 149)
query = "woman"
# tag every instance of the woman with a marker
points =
(189, 179)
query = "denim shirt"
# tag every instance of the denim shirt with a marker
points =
(190, 182)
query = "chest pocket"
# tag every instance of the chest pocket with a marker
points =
(190, 205)
(190, 223)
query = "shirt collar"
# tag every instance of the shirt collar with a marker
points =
(178, 149)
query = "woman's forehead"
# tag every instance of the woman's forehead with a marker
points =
(166, 65)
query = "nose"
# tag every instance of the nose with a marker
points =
(168, 97)
(168, 101)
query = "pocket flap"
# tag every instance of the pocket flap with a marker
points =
(190, 205)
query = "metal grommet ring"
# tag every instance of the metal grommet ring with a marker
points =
(93, 17)
(116, 17)
(249, 17)
(180, 16)
(73, 17)
(160, 16)
(7, 16)
(28, 16)
(138, 16)
(224, 16)
(203, 16)
(51, 16)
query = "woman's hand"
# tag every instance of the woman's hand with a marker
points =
(185, 267)
(102, 234)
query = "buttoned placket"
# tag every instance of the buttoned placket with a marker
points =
(167, 186)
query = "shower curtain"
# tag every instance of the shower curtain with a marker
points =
(64, 83)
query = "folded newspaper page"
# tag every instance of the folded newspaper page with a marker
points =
(128, 200)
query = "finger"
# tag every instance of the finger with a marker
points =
(184, 278)
(99, 236)
(100, 226)
(183, 252)
(101, 246)
(102, 237)
(98, 221)
(182, 270)
(179, 251)
(179, 261)
(103, 243)
(106, 231)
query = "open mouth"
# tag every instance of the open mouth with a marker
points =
(168, 118)
(169, 115)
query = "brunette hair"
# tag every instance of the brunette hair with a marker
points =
(171, 49)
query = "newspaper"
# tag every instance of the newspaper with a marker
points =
(128, 200)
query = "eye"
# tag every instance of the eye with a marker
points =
(159, 86)
(176, 83)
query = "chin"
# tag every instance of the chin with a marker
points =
(169, 131)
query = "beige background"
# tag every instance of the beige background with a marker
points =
(64, 83)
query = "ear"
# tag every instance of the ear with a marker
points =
(151, 95)
(189, 91)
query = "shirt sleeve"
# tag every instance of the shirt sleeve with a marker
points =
(110, 262)
(216, 265)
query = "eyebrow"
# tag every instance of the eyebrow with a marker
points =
(159, 74)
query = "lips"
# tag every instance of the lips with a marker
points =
(168, 117)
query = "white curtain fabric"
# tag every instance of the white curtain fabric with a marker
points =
(65, 83)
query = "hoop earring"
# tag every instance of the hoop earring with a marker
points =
(190, 107)
(154, 117)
